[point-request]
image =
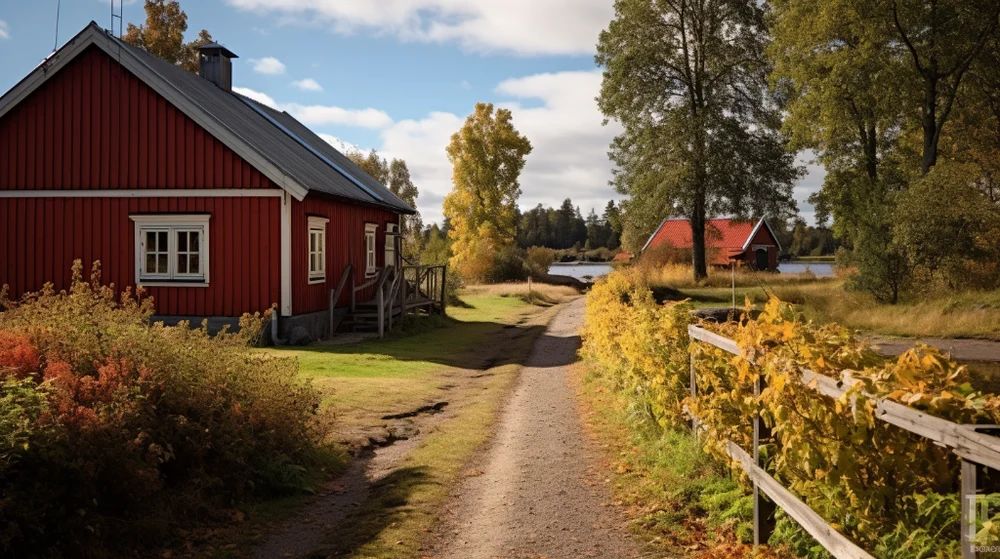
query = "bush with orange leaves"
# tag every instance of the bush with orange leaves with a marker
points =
(113, 429)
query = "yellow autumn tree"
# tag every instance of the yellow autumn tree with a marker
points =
(487, 154)
(163, 34)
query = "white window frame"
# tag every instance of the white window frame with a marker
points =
(371, 244)
(317, 226)
(172, 224)
(391, 232)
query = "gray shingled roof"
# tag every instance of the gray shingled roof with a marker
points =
(246, 119)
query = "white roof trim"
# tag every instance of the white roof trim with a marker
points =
(94, 35)
(746, 243)
(756, 228)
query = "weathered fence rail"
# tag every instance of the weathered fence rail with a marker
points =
(973, 448)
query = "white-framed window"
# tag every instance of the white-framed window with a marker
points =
(317, 249)
(391, 233)
(371, 263)
(171, 249)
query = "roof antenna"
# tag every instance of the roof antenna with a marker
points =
(118, 16)
(55, 46)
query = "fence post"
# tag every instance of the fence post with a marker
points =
(763, 508)
(968, 497)
(694, 389)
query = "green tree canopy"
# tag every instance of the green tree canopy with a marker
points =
(687, 79)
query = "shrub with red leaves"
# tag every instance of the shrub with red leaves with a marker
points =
(115, 431)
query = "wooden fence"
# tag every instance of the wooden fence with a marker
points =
(975, 450)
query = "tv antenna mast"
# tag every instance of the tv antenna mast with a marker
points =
(55, 45)
(118, 16)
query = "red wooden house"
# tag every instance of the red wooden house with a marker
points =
(726, 241)
(217, 205)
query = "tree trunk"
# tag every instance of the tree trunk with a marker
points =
(698, 239)
(929, 124)
(871, 152)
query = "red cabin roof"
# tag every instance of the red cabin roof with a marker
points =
(724, 238)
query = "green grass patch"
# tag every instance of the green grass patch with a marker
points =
(678, 500)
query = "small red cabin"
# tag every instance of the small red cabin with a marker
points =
(726, 241)
(214, 203)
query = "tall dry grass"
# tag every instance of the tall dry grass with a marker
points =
(680, 276)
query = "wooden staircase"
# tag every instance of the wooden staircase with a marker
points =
(398, 291)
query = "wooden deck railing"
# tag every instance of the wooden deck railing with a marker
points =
(973, 448)
(395, 293)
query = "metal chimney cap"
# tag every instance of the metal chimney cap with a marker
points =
(217, 47)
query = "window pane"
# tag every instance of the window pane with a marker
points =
(195, 267)
(194, 244)
(161, 244)
(182, 264)
(150, 241)
(150, 264)
(312, 242)
(182, 241)
(162, 265)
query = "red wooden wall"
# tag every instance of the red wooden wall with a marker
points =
(94, 125)
(345, 244)
(763, 237)
(40, 238)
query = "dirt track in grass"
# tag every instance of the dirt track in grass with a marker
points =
(537, 491)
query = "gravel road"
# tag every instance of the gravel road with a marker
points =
(536, 492)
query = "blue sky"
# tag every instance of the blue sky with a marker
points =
(399, 76)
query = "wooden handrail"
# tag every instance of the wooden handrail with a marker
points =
(335, 294)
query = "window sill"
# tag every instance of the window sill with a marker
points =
(316, 281)
(173, 283)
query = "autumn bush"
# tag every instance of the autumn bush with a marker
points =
(114, 431)
(538, 260)
(875, 483)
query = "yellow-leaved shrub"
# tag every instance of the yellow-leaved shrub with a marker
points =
(869, 479)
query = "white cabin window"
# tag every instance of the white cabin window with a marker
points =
(171, 249)
(371, 263)
(391, 233)
(317, 249)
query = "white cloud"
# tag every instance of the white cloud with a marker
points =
(569, 156)
(326, 115)
(522, 27)
(563, 123)
(341, 145)
(4, 30)
(307, 84)
(464, 84)
(268, 65)
(262, 98)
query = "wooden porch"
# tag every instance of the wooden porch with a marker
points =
(398, 291)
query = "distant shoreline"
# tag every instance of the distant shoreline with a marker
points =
(583, 263)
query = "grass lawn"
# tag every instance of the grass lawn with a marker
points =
(469, 359)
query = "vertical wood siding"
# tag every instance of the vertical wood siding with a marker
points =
(94, 125)
(345, 244)
(763, 237)
(40, 238)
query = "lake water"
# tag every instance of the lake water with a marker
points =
(821, 269)
(578, 271)
(598, 269)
